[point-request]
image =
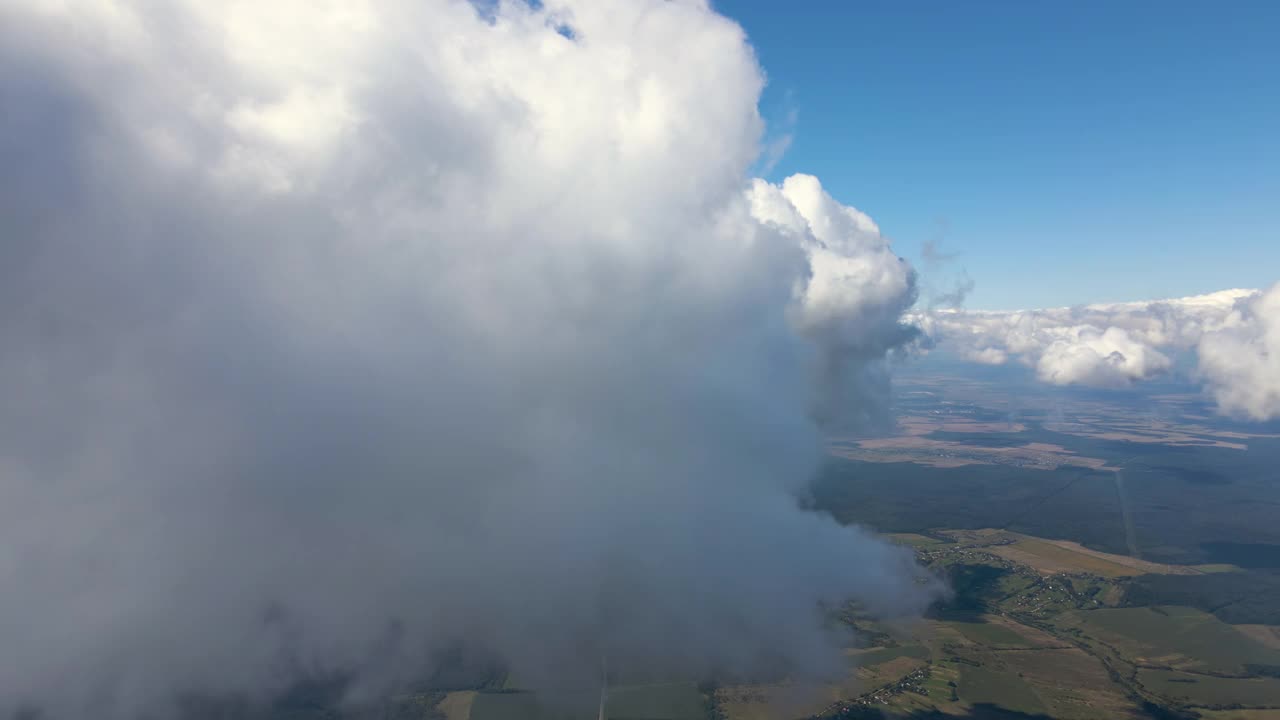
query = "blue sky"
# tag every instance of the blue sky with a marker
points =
(1070, 152)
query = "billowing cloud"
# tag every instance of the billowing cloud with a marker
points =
(1233, 332)
(852, 303)
(1241, 359)
(335, 333)
(1090, 356)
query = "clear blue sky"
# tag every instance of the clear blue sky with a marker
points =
(1070, 151)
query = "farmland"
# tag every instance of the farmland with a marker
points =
(1175, 637)
(1210, 691)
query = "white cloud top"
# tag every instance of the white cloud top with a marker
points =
(335, 332)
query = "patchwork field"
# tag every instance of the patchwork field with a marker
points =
(1001, 687)
(1054, 556)
(1207, 690)
(1174, 637)
(912, 539)
(875, 656)
(1051, 557)
(774, 701)
(1268, 635)
(1072, 684)
(1109, 558)
(991, 633)
(942, 453)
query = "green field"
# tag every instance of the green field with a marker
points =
(1072, 684)
(1004, 689)
(669, 701)
(990, 634)
(884, 655)
(915, 540)
(1178, 637)
(1208, 690)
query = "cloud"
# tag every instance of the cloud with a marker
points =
(1116, 344)
(778, 137)
(853, 302)
(1089, 356)
(337, 333)
(986, 356)
(933, 254)
(774, 151)
(936, 262)
(1240, 360)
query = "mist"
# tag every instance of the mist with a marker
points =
(338, 334)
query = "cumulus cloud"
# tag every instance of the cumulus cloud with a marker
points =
(1233, 332)
(1240, 360)
(1091, 356)
(337, 333)
(852, 303)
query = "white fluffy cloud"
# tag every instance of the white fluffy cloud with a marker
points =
(851, 304)
(1091, 356)
(1240, 360)
(1234, 333)
(335, 332)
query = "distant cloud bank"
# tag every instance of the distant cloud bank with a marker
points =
(1235, 334)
